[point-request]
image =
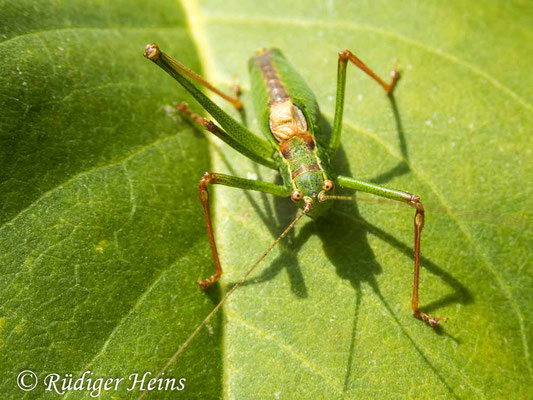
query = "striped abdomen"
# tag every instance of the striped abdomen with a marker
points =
(276, 89)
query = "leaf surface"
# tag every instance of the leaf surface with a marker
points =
(103, 236)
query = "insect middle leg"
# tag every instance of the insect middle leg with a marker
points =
(210, 178)
(344, 57)
(414, 201)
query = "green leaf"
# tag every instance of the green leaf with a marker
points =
(103, 237)
(102, 234)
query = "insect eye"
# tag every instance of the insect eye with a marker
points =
(328, 185)
(296, 195)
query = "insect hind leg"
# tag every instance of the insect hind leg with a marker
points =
(344, 57)
(223, 135)
(184, 109)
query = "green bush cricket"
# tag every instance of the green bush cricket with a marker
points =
(295, 146)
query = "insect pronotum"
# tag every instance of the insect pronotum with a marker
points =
(295, 146)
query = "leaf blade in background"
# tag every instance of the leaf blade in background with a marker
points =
(100, 220)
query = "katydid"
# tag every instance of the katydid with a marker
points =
(295, 145)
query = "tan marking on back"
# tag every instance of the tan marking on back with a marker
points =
(286, 120)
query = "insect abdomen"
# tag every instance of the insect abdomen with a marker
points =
(276, 90)
(282, 100)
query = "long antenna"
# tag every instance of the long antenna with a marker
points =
(228, 294)
(324, 197)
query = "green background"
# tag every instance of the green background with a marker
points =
(102, 235)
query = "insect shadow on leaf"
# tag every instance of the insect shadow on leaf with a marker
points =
(346, 246)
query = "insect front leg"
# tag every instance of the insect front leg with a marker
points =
(344, 57)
(419, 219)
(210, 178)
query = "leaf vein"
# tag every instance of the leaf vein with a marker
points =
(394, 35)
(84, 173)
(288, 349)
(141, 298)
(87, 28)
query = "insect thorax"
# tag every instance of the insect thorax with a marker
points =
(297, 147)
